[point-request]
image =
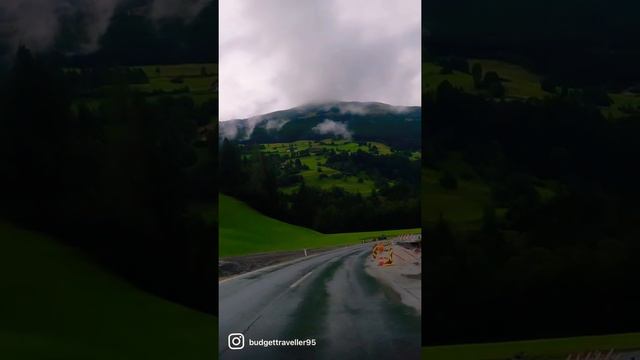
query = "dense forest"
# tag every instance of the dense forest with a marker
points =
(255, 177)
(558, 262)
(116, 179)
(555, 267)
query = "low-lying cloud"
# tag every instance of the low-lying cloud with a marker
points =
(228, 130)
(275, 124)
(363, 108)
(334, 128)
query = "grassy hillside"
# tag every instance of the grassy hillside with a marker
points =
(325, 178)
(244, 231)
(544, 349)
(620, 102)
(432, 77)
(335, 144)
(462, 207)
(312, 177)
(518, 81)
(58, 305)
(198, 81)
(172, 77)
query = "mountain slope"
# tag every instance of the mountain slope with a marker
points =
(397, 126)
(244, 230)
(57, 304)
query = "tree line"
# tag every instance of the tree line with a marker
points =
(562, 266)
(255, 177)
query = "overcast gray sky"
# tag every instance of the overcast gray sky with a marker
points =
(277, 54)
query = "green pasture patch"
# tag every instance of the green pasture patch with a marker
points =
(621, 101)
(519, 81)
(323, 179)
(462, 207)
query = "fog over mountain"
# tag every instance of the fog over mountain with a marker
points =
(398, 126)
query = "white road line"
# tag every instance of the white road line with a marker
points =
(278, 265)
(299, 280)
(282, 264)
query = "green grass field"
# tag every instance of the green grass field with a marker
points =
(519, 83)
(246, 231)
(462, 207)
(329, 144)
(56, 304)
(348, 183)
(312, 177)
(201, 88)
(553, 349)
(621, 101)
(431, 78)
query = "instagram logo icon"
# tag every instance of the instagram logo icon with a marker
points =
(235, 341)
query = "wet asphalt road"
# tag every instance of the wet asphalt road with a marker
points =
(329, 298)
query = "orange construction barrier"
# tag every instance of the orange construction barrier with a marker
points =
(377, 249)
(388, 260)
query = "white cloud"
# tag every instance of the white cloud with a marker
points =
(330, 127)
(277, 54)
